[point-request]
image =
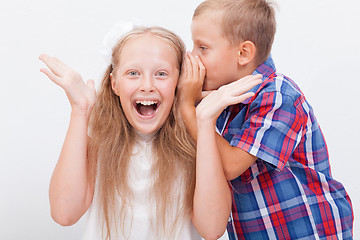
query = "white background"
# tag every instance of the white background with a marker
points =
(317, 45)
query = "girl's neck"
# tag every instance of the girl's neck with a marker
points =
(144, 137)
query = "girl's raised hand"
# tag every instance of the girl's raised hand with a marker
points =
(81, 96)
(214, 103)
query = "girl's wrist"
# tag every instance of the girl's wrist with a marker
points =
(204, 116)
(80, 112)
(205, 122)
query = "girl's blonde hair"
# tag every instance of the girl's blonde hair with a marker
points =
(244, 20)
(111, 144)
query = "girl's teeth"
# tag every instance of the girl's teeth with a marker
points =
(146, 103)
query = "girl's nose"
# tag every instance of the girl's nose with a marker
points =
(147, 84)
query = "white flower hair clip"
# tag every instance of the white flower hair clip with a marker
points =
(119, 29)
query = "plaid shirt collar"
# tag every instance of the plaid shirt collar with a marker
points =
(266, 69)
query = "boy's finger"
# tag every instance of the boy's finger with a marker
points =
(189, 65)
(199, 62)
(201, 68)
(183, 68)
(183, 65)
(195, 66)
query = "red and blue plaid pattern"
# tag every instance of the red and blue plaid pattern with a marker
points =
(289, 192)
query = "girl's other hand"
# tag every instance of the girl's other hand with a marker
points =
(80, 94)
(236, 92)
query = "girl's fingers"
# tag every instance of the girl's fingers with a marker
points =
(241, 98)
(247, 85)
(243, 85)
(246, 79)
(90, 83)
(205, 93)
(52, 76)
(55, 65)
(251, 77)
(237, 91)
(258, 76)
(241, 91)
(235, 99)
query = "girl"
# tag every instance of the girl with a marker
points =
(135, 174)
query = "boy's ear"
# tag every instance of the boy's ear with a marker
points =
(246, 52)
(113, 84)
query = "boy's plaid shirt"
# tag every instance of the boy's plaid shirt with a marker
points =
(289, 192)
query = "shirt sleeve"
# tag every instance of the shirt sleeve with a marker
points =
(271, 131)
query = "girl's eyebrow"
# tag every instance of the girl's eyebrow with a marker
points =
(161, 66)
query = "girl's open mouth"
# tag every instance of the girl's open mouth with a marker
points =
(146, 107)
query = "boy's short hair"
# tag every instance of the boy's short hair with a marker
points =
(244, 20)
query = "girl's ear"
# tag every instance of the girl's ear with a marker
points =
(113, 84)
(246, 52)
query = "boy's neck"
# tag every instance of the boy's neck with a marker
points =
(246, 70)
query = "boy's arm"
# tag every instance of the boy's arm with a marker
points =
(235, 161)
(70, 192)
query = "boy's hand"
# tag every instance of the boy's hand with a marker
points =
(81, 96)
(191, 80)
(212, 105)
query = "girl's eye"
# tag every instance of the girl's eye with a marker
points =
(161, 74)
(133, 73)
(203, 48)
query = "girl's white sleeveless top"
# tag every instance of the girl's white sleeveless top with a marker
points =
(139, 227)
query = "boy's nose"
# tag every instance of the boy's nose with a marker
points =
(147, 84)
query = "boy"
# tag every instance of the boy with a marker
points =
(272, 149)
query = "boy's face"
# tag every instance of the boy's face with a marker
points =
(219, 57)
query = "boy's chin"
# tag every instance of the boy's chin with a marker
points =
(206, 86)
(209, 87)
